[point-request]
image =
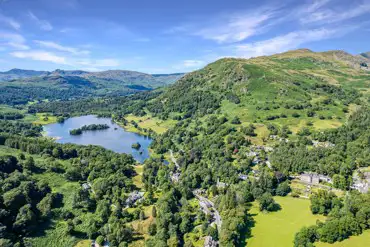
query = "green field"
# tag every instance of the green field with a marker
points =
(149, 122)
(43, 119)
(355, 241)
(277, 229)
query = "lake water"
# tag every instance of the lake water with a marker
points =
(115, 138)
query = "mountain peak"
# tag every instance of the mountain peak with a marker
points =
(365, 54)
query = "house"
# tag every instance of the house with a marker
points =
(361, 184)
(209, 242)
(255, 154)
(134, 197)
(322, 144)
(309, 178)
(280, 139)
(314, 178)
(325, 179)
(175, 177)
(243, 177)
(86, 186)
(221, 184)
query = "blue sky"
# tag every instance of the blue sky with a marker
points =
(166, 36)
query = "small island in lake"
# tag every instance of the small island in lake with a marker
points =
(89, 127)
(136, 146)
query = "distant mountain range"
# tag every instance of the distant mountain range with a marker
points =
(126, 77)
(21, 86)
(291, 75)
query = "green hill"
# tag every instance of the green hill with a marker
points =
(22, 86)
(300, 83)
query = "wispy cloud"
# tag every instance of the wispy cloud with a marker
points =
(283, 43)
(93, 63)
(13, 40)
(10, 22)
(187, 65)
(329, 15)
(237, 27)
(56, 46)
(192, 63)
(40, 56)
(43, 24)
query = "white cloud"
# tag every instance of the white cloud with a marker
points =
(315, 5)
(283, 43)
(192, 63)
(13, 40)
(94, 63)
(236, 27)
(187, 65)
(40, 56)
(43, 24)
(335, 15)
(56, 46)
(10, 22)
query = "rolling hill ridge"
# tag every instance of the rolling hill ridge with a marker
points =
(299, 83)
(22, 86)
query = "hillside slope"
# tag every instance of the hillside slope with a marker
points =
(300, 83)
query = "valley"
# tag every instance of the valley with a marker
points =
(266, 151)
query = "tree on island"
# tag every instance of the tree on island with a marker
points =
(136, 146)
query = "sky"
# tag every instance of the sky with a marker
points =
(169, 36)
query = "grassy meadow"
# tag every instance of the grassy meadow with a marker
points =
(277, 229)
(362, 240)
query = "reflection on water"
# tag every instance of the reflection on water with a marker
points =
(115, 138)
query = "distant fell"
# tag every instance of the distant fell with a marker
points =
(22, 86)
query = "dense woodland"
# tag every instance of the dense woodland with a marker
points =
(26, 202)
(347, 216)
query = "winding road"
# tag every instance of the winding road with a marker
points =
(207, 204)
(210, 205)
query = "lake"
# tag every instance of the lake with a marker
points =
(115, 138)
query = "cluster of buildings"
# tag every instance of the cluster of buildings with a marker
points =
(322, 144)
(362, 183)
(133, 197)
(314, 178)
(256, 154)
(278, 138)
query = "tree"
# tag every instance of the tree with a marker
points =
(249, 130)
(100, 240)
(306, 237)
(45, 205)
(323, 202)
(29, 164)
(58, 153)
(283, 189)
(213, 233)
(340, 182)
(266, 202)
(235, 120)
(142, 215)
(154, 211)
(26, 220)
(5, 243)
(152, 230)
